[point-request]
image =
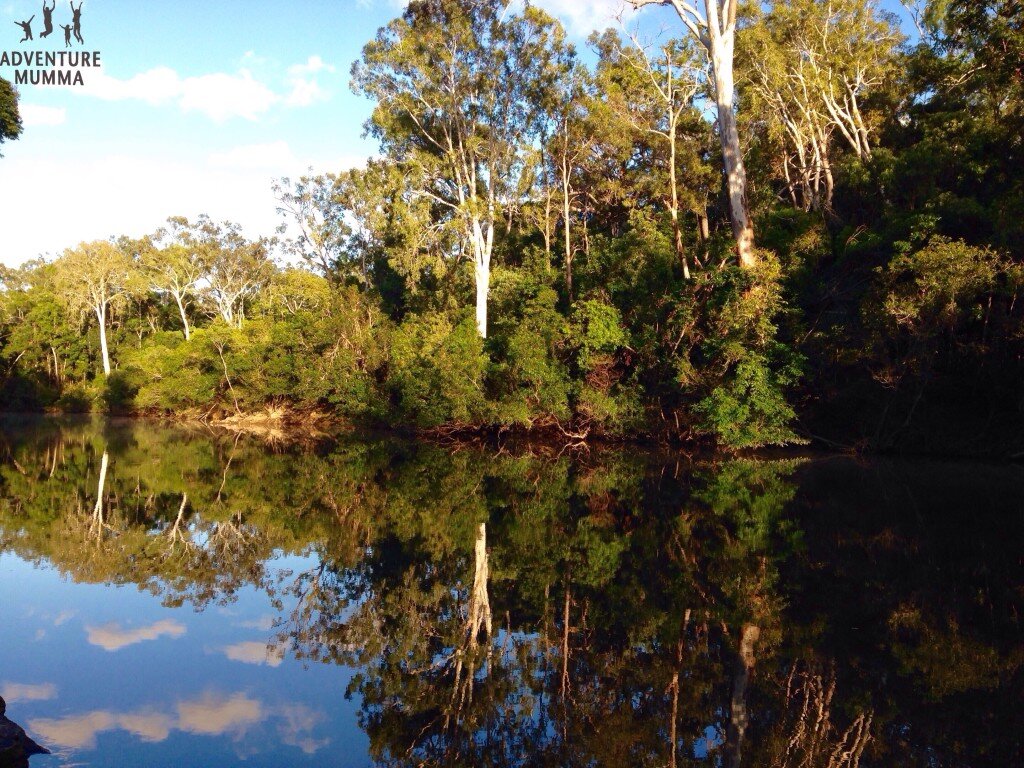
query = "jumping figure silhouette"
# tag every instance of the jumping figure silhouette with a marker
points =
(76, 19)
(67, 34)
(26, 28)
(47, 19)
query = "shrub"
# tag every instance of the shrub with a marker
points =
(528, 378)
(436, 371)
(744, 369)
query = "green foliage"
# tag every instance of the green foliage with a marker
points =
(597, 333)
(746, 368)
(436, 371)
(10, 119)
(528, 376)
(181, 376)
(604, 397)
(935, 302)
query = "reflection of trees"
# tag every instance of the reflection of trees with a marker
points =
(509, 610)
(809, 736)
(141, 507)
(590, 577)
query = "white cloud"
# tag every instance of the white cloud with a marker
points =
(581, 17)
(211, 714)
(33, 115)
(155, 86)
(254, 652)
(313, 65)
(148, 726)
(305, 92)
(297, 725)
(111, 637)
(76, 731)
(13, 692)
(305, 89)
(233, 184)
(264, 622)
(219, 96)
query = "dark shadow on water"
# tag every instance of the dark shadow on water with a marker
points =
(15, 746)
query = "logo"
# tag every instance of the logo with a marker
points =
(52, 67)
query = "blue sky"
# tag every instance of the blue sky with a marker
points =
(198, 106)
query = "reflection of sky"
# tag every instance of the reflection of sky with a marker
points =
(112, 637)
(108, 676)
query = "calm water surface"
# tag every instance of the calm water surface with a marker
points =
(172, 598)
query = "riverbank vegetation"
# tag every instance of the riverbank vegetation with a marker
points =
(785, 223)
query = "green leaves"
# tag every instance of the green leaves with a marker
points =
(10, 118)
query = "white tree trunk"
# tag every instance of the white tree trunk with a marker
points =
(567, 225)
(97, 511)
(184, 317)
(101, 317)
(739, 718)
(480, 604)
(482, 246)
(483, 279)
(732, 155)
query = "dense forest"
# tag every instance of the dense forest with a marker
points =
(788, 222)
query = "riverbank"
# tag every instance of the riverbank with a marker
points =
(287, 426)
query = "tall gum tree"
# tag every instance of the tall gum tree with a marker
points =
(174, 263)
(237, 269)
(92, 278)
(459, 86)
(715, 30)
(811, 66)
(651, 89)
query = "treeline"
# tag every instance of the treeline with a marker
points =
(789, 222)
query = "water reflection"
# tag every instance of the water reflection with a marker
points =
(497, 609)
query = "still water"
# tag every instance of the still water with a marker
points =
(174, 598)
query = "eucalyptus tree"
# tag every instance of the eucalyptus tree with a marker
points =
(94, 277)
(715, 30)
(237, 269)
(651, 89)
(811, 66)
(175, 264)
(321, 233)
(460, 87)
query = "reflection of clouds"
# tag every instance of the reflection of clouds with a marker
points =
(76, 731)
(111, 637)
(13, 692)
(214, 715)
(211, 714)
(63, 616)
(264, 623)
(254, 652)
(296, 727)
(79, 731)
(148, 726)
